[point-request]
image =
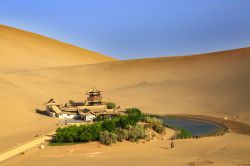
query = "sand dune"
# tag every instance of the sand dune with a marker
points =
(215, 84)
(22, 50)
(35, 68)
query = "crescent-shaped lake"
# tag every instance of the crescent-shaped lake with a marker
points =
(195, 126)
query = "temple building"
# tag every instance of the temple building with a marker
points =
(94, 97)
(93, 106)
(56, 110)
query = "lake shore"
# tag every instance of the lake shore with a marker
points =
(233, 126)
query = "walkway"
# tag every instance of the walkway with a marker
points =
(13, 151)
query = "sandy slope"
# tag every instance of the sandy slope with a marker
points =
(21, 50)
(214, 84)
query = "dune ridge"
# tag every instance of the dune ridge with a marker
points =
(22, 50)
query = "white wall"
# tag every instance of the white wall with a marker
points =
(90, 117)
(69, 116)
(52, 114)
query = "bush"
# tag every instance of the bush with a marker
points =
(155, 124)
(71, 102)
(133, 111)
(124, 121)
(107, 138)
(95, 130)
(82, 133)
(159, 129)
(65, 135)
(184, 133)
(136, 132)
(110, 105)
(153, 121)
(134, 115)
(122, 134)
(110, 124)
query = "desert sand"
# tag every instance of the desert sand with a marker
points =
(216, 151)
(34, 69)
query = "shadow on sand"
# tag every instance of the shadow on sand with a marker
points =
(41, 112)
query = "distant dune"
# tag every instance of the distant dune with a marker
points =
(22, 50)
(212, 84)
(215, 84)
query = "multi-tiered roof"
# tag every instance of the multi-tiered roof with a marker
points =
(94, 97)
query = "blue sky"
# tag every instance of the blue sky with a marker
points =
(128, 29)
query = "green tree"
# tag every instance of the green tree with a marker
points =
(110, 105)
(124, 121)
(95, 128)
(110, 124)
(134, 115)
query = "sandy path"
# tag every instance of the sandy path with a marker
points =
(23, 147)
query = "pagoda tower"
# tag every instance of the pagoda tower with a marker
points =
(94, 97)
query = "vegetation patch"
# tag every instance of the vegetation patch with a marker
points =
(131, 127)
(110, 105)
(184, 134)
(155, 123)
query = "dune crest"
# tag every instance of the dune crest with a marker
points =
(21, 50)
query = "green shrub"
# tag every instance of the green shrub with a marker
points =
(155, 123)
(71, 102)
(134, 115)
(107, 138)
(65, 135)
(110, 105)
(122, 134)
(133, 111)
(58, 138)
(184, 133)
(159, 129)
(84, 133)
(124, 121)
(110, 124)
(136, 132)
(95, 130)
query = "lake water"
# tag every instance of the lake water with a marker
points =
(196, 127)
